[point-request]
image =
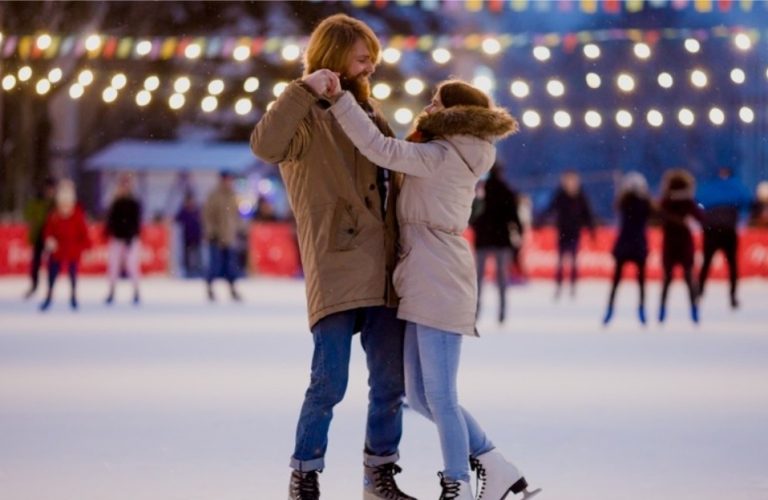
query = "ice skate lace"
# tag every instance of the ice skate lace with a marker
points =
(451, 489)
(384, 482)
(482, 476)
(304, 486)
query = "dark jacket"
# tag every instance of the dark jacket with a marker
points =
(724, 200)
(632, 242)
(191, 225)
(678, 240)
(498, 212)
(124, 219)
(572, 213)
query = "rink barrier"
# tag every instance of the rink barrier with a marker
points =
(273, 250)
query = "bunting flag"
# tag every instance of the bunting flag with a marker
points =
(561, 6)
(217, 47)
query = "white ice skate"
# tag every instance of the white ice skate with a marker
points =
(454, 490)
(497, 478)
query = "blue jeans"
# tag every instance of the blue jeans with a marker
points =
(431, 364)
(222, 262)
(382, 339)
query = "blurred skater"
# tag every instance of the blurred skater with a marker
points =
(634, 209)
(758, 216)
(123, 228)
(188, 217)
(572, 212)
(494, 226)
(35, 214)
(677, 208)
(221, 220)
(724, 199)
(66, 236)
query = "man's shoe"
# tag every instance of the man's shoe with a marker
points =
(304, 486)
(379, 482)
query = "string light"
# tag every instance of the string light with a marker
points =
(403, 116)
(484, 83)
(391, 55)
(151, 83)
(25, 73)
(9, 81)
(642, 51)
(624, 118)
(251, 84)
(686, 117)
(593, 119)
(738, 76)
(241, 53)
(541, 53)
(742, 41)
(491, 46)
(243, 106)
(144, 47)
(716, 116)
(209, 104)
(414, 86)
(531, 119)
(143, 98)
(109, 95)
(76, 91)
(665, 80)
(519, 89)
(699, 78)
(216, 87)
(44, 41)
(43, 86)
(381, 91)
(119, 81)
(562, 119)
(92, 43)
(592, 51)
(182, 84)
(176, 101)
(85, 77)
(55, 75)
(655, 118)
(593, 80)
(441, 55)
(746, 114)
(555, 88)
(625, 82)
(291, 52)
(193, 51)
(279, 88)
(692, 45)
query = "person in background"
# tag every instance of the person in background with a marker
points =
(634, 208)
(123, 229)
(677, 207)
(493, 228)
(35, 214)
(759, 214)
(572, 212)
(188, 217)
(221, 222)
(264, 212)
(66, 237)
(724, 199)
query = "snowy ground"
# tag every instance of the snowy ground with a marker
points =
(181, 399)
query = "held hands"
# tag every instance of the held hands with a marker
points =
(51, 244)
(324, 83)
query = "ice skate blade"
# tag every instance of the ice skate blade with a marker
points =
(530, 494)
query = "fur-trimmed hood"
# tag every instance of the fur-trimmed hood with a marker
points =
(483, 123)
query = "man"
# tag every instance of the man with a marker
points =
(723, 198)
(221, 219)
(35, 214)
(347, 233)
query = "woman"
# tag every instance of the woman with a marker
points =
(677, 209)
(435, 277)
(123, 228)
(634, 207)
(66, 236)
(493, 233)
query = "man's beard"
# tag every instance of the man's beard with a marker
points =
(359, 86)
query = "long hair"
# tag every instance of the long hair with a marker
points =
(331, 43)
(458, 93)
(677, 183)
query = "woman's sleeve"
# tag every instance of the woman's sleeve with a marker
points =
(417, 159)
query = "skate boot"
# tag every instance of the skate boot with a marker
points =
(136, 298)
(110, 297)
(379, 482)
(209, 292)
(46, 303)
(734, 301)
(497, 478)
(73, 303)
(304, 486)
(695, 314)
(454, 490)
(608, 316)
(662, 314)
(233, 293)
(641, 314)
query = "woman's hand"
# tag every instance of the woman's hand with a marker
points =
(323, 82)
(51, 244)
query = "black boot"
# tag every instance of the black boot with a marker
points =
(304, 486)
(379, 482)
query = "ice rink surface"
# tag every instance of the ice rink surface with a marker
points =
(179, 399)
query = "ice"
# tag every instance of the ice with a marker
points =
(182, 399)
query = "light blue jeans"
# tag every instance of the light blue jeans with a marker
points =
(431, 358)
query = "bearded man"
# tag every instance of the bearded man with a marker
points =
(345, 215)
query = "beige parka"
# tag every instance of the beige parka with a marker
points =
(435, 275)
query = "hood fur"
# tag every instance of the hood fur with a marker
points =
(483, 123)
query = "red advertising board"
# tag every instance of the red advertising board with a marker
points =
(16, 254)
(273, 251)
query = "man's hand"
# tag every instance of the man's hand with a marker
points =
(323, 82)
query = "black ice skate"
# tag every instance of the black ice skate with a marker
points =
(304, 486)
(379, 482)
